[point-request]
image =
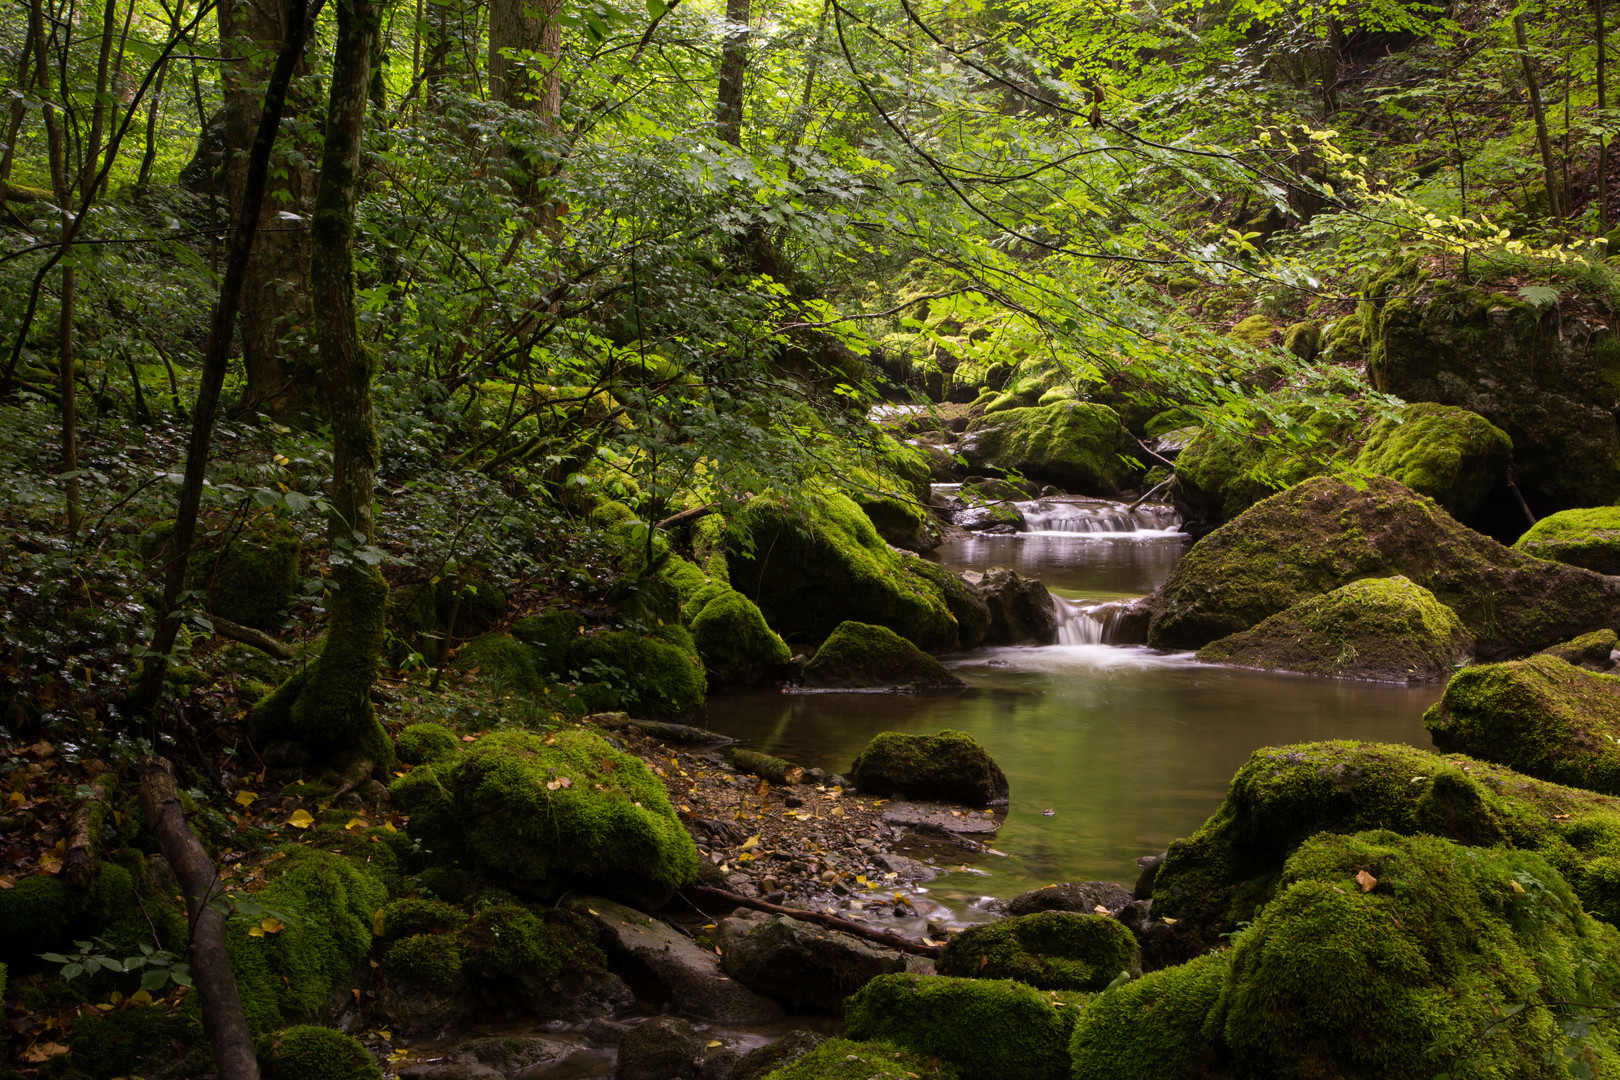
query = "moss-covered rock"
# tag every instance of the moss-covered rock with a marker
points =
(1386, 955)
(1256, 330)
(1049, 950)
(632, 670)
(1551, 382)
(422, 794)
(430, 962)
(256, 578)
(163, 1037)
(1588, 538)
(1220, 474)
(841, 1059)
(1303, 339)
(1594, 651)
(543, 812)
(1327, 532)
(416, 915)
(966, 603)
(551, 634)
(543, 962)
(859, 655)
(1073, 444)
(950, 766)
(989, 1029)
(815, 563)
(737, 647)
(317, 1053)
(1153, 1028)
(1385, 629)
(1451, 455)
(1542, 716)
(422, 744)
(43, 911)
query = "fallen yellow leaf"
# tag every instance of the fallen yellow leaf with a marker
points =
(1515, 886)
(751, 842)
(301, 819)
(378, 927)
(245, 798)
(272, 926)
(1367, 882)
(141, 997)
(357, 823)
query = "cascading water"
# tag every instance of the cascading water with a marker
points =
(1059, 516)
(1094, 624)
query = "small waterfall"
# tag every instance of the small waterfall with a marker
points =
(1113, 622)
(1098, 517)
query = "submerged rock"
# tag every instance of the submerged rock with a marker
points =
(950, 767)
(1542, 716)
(1384, 629)
(1072, 444)
(663, 1048)
(1327, 532)
(1049, 950)
(1589, 538)
(1453, 456)
(806, 966)
(862, 656)
(1021, 610)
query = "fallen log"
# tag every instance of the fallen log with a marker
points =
(831, 922)
(774, 769)
(224, 1022)
(84, 835)
(249, 636)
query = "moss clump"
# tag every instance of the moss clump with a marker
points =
(412, 916)
(1303, 339)
(1049, 950)
(1589, 538)
(422, 794)
(1451, 455)
(42, 911)
(506, 662)
(317, 1053)
(122, 1041)
(967, 604)
(1385, 955)
(256, 578)
(811, 565)
(329, 907)
(949, 766)
(551, 634)
(429, 961)
(1256, 330)
(841, 1059)
(1073, 444)
(541, 812)
(893, 492)
(635, 670)
(1324, 533)
(1542, 716)
(861, 655)
(423, 744)
(1385, 629)
(1594, 650)
(737, 646)
(511, 941)
(1220, 474)
(1153, 1028)
(989, 1029)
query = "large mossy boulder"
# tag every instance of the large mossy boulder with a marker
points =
(308, 1052)
(862, 656)
(1453, 456)
(544, 812)
(968, 605)
(949, 767)
(1049, 950)
(44, 910)
(842, 1059)
(1550, 380)
(1073, 444)
(1383, 629)
(1380, 955)
(1541, 716)
(1327, 532)
(737, 647)
(1213, 880)
(1220, 473)
(257, 577)
(1588, 537)
(989, 1029)
(627, 669)
(815, 563)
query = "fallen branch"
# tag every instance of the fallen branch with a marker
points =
(84, 834)
(831, 922)
(1517, 494)
(249, 636)
(675, 521)
(774, 769)
(224, 1022)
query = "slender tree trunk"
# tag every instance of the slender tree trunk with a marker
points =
(728, 106)
(527, 27)
(215, 358)
(19, 112)
(98, 109)
(328, 704)
(1602, 103)
(149, 157)
(1539, 114)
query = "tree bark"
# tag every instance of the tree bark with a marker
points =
(1602, 103)
(224, 1021)
(517, 27)
(328, 704)
(1539, 114)
(215, 358)
(728, 106)
(831, 922)
(98, 109)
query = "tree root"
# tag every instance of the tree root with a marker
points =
(831, 922)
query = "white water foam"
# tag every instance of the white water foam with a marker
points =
(1107, 518)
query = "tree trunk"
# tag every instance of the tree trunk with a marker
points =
(1549, 173)
(328, 704)
(98, 110)
(275, 295)
(526, 27)
(728, 106)
(19, 111)
(1602, 103)
(149, 157)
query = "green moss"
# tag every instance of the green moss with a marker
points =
(541, 812)
(1385, 629)
(950, 766)
(412, 916)
(1152, 1028)
(421, 744)
(429, 961)
(634, 670)
(1049, 950)
(684, 575)
(139, 1038)
(454, 885)
(736, 644)
(422, 794)
(1594, 649)
(1220, 474)
(1398, 976)
(550, 634)
(1326, 532)
(862, 655)
(988, 1029)
(812, 564)
(510, 664)
(1542, 716)
(511, 941)
(1345, 342)
(966, 605)
(1073, 444)
(329, 907)
(1589, 538)
(1169, 420)
(841, 1059)
(317, 1053)
(1451, 455)
(257, 578)
(43, 911)
(1303, 339)
(1256, 330)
